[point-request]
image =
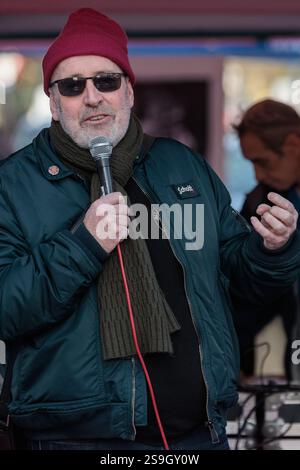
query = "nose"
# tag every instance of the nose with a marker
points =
(92, 97)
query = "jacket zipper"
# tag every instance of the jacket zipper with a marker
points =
(133, 397)
(213, 433)
(210, 424)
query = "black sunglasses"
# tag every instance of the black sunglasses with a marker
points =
(74, 86)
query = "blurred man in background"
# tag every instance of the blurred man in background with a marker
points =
(269, 134)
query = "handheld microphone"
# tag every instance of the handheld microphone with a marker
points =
(101, 150)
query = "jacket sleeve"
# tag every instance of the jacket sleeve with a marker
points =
(40, 286)
(254, 272)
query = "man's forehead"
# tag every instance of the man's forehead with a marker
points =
(84, 65)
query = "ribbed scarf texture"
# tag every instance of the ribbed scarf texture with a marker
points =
(154, 319)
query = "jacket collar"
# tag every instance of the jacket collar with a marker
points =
(51, 166)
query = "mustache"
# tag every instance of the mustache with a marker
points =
(95, 112)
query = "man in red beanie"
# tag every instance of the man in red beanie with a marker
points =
(77, 381)
(90, 41)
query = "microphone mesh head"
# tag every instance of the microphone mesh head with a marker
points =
(100, 147)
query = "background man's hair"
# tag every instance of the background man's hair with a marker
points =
(271, 121)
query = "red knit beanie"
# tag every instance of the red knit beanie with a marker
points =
(88, 32)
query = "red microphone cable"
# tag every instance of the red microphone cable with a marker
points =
(153, 399)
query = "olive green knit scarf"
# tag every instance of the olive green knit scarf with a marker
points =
(154, 320)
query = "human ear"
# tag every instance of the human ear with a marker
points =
(130, 93)
(292, 144)
(54, 106)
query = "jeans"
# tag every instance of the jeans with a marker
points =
(199, 439)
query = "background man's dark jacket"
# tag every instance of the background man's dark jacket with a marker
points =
(249, 318)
